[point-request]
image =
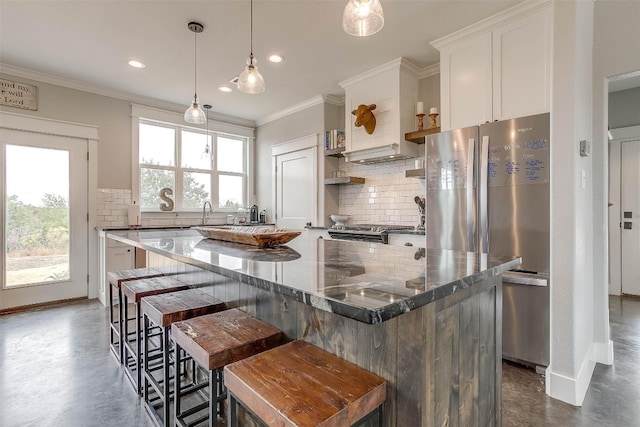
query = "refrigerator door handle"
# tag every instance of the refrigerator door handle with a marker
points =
(470, 184)
(483, 212)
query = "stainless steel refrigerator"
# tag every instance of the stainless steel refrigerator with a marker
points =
(487, 190)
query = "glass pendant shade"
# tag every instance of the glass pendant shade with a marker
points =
(194, 113)
(362, 17)
(250, 80)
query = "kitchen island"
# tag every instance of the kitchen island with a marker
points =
(427, 321)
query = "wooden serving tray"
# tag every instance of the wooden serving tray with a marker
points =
(262, 237)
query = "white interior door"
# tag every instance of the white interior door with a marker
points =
(630, 217)
(44, 217)
(296, 188)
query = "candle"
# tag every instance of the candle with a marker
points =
(433, 110)
(420, 108)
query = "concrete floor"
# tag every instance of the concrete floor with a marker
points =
(56, 370)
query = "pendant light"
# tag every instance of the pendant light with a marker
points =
(206, 153)
(250, 80)
(194, 113)
(362, 17)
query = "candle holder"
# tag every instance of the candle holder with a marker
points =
(420, 121)
(433, 124)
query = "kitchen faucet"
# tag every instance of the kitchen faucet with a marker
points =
(205, 213)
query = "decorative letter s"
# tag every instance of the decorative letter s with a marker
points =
(164, 195)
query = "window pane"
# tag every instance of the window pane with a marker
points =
(196, 150)
(230, 191)
(37, 215)
(230, 155)
(157, 145)
(197, 189)
(151, 182)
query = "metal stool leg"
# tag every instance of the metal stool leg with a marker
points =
(213, 398)
(233, 417)
(176, 396)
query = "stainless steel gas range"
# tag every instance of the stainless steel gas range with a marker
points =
(365, 232)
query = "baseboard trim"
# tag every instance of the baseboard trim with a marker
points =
(40, 305)
(572, 390)
(603, 352)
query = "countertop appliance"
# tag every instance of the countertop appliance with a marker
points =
(487, 190)
(365, 232)
(253, 214)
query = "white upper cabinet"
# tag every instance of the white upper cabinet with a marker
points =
(497, 69)
(465, 82)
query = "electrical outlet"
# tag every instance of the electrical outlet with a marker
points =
(585, 148)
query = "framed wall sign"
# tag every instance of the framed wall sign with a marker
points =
(18, 95)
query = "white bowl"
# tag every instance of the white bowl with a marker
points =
(339, 219)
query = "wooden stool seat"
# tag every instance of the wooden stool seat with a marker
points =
(213, 341)
(299, 384)
(135, 290)
(162, 310)
(165, 309)
(132, 292)
(115, 279)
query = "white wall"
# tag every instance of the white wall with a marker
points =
(296, 125)
(571, 289)
(616, 51)
(624, 108)
(112, 116)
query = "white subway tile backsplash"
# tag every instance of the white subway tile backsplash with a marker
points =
(386, 197)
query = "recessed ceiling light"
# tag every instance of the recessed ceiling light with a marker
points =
(275, 58)
(224, 89)
(136, 64)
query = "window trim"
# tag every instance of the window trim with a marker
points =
(166, 118)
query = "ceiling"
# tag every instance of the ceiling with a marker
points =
(89, 42)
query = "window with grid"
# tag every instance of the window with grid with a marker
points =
(196, 167)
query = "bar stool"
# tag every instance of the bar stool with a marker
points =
(299, 384)
(161, 311)
(132, 292)
(213, 341)
(116, 278)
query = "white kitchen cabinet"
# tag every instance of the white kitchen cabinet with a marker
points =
(114, 256)
(465, 82)
(120, 257)
(497, 69)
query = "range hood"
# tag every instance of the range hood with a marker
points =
(393, 89)
(382, 153)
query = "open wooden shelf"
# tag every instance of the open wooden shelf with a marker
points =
(344, 180)
(417, 136)
(336, 152)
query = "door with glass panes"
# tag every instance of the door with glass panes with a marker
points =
(44, 218)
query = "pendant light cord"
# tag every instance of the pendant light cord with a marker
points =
(251, 33)
(195, 65)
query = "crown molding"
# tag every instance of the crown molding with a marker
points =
(398, 63)
(113, 93)
(316, 100)
(489, 24)
(428, 71)
(334, 100)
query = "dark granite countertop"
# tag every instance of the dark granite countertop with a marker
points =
(369, 282)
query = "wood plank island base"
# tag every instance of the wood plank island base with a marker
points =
(428, 322)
